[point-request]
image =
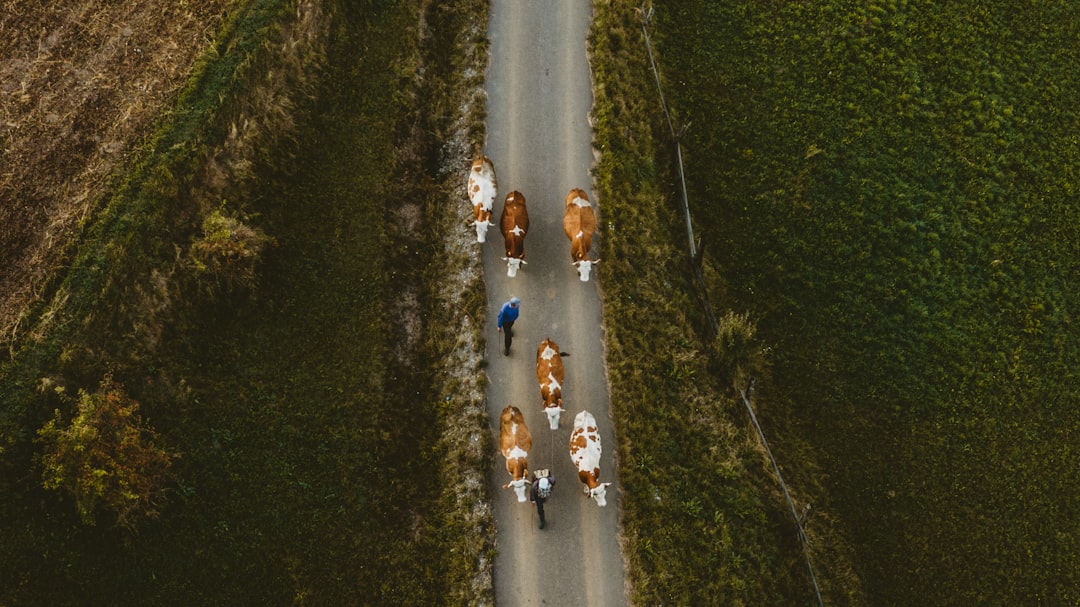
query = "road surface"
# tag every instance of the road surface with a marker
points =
(540, 141)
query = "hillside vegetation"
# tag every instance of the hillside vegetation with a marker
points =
(889, 188)
(83, 83)
(233, 316)
(886, 193)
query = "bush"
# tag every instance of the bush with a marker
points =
(228, 251)
(737, 354)
(106, 457)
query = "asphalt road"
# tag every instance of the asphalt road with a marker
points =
(540, 141)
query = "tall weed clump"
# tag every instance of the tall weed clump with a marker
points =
(227, 252)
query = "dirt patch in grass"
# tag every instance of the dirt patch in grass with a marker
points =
(82, 82)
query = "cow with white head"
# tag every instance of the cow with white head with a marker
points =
(585, 453)
(515, 443)
(550, 373)
(482, 187)
(515, 224)
(579, 223)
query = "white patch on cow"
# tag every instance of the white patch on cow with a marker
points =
(482, 186)
(600, 494)
(581, 202)
(482, 230)
(584, 268)
(553, 414)
(517, 231)
(548, 353)
(513, 264)
(588, 457)
(482, 189)
(517, 453)
(519, 488)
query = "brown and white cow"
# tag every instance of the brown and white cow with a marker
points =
(482, 187)
(579, 223)
(515, 224)
(585, 453)
(550, 373)
(515, 443)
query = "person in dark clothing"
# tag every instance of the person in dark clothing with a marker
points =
(507, 315)
(541, 490)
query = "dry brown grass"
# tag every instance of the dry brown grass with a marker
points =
(82, 83)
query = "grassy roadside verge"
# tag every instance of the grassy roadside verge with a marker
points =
(703, 519)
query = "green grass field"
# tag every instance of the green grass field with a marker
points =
(890, 189)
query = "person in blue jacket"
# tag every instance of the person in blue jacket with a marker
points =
(507, 315)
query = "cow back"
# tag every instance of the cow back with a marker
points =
(579, 223)
(550, 373)
(482, 187)
(513, 432)
(514, 223)
(585, 447)
(552, 364)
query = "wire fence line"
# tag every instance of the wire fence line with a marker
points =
(803, 539)
(646, 14)
(695, 255)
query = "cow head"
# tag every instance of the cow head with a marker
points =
(553, 414)
(598, 493)
(513, 264)
(584, 268)
(519, 486)
(482, 223)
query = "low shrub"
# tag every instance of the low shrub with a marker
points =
(106, 458)
(228, 251)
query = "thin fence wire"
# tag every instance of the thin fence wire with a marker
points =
(695, 256)
(646, 13)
